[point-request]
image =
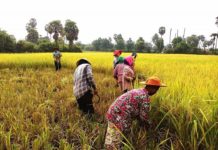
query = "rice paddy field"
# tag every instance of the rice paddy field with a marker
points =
(38, 110)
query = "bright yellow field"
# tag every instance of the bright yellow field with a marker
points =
(38, 109)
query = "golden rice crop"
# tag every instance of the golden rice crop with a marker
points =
(38, 109)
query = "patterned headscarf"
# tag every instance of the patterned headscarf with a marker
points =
(129, 61)
(117, 52)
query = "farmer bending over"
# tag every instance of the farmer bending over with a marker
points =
(134, 55)
(131, 105)
(83, 85)
(117, 54)
(124, 74)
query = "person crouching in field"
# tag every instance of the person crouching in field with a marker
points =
(131, 105)
(117, 54)
(134, 55)
(83, 86)
(118, 70)
(57, 59)
(132, 59)
(124, 74)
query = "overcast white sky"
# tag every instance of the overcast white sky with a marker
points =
(104, 18)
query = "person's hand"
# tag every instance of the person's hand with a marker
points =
(148, 125)
(116, 85)
(129, 79)
(95, 92)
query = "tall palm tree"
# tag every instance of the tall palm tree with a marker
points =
(214, 38)
(205, 44)
(201, 40)
(162, 31)
(217, 33)
(48, 29)
(71, 31)
(216, 21)
(170, 36)
(55, 27)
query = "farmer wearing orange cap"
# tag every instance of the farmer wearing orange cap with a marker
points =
(127, 107)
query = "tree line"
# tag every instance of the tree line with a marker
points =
(194, 44)
(57, 37)
(63, 37)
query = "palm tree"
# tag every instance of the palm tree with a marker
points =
(201, 39)
(71, 31)
(55, 27)
(217, 33)
(216, 21)
(48, 29)
(170, 36)
(162, 31)
(205, 44)
(214, 38)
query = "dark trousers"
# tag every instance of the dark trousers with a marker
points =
(57, 65)
(85, 103)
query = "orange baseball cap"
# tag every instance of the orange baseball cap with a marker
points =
(154, 81)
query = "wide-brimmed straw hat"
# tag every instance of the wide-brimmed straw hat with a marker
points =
(82, 60)
(153, 81)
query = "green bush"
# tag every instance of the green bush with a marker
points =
(75, 48)
(182, 47)
(168, 49)
(7, 42)
(45, 46)
(196, 51)
(25, 46)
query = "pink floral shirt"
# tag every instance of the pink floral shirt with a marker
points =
(131, 105)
